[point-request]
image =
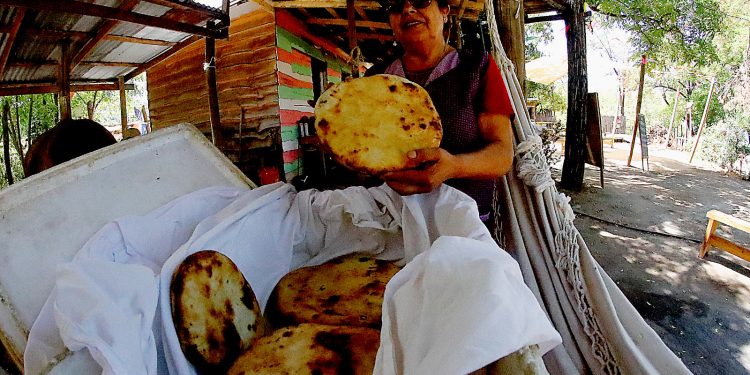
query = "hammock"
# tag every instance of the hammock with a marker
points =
(601, 330)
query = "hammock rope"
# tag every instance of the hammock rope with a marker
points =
(532, 168)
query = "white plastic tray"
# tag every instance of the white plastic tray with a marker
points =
(46, 219)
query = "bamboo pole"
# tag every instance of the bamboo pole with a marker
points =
(674, 113)
(123, 105)
(638, 107)
(703, 119)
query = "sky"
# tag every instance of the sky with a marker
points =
(599, 66)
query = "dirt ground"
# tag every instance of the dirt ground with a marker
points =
(645, 229)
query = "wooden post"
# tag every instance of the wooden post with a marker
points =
(703, 119)
(638, 107)
(352, 33)
(6, 142)
(674, 113)
(578, 87)
(63, 80)
(510, 17)
(123, 105)
(213, 95)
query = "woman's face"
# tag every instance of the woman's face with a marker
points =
(412, 26)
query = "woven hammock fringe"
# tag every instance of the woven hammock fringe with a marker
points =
(533, 169)
(531, 165)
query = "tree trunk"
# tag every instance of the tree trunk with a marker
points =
(57, 105)
(91, 107)
(575, 132)
(6, 143)
(31, 124)
(17, 135)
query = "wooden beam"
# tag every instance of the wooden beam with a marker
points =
(94, 10)
(208, 12)
(123, 104)
(339, 4)
(343, 22)
(352, 27)
(34, 64)
(130, 39)
(163, 56)
(55, 34)
(10, 39)
(9, 90)
(122, 64)
(552, 17)
(509, 19)
(103, 29)
(363, 15)
(63, 80)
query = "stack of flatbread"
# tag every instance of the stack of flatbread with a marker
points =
(327, 317)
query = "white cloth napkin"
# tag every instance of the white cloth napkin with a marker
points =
(457, 307)
(271, 230)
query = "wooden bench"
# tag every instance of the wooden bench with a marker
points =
(712, 239)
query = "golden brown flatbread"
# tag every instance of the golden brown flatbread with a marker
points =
(345, 291)
(214, 311)
(311, 349)
(369, 124)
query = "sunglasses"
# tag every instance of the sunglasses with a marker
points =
(395, 6)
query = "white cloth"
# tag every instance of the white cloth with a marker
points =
(114, 276)
(271, 230)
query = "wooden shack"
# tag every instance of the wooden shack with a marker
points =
(268, 73)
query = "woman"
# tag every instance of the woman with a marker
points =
(470, 96)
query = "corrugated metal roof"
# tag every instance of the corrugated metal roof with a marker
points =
(36, 46)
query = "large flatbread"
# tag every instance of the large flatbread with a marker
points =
(345, 291)
(370, 124)
(311, 349)
(214, 311)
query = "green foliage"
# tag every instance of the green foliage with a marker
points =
(548, 95)
(536, 34)
(726, 142)
(668, 31)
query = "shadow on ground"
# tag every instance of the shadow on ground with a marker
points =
(645, 230)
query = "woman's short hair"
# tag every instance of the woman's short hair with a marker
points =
(443, 3)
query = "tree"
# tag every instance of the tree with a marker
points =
(668, 31)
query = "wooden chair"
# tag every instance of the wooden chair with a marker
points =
(712, 239)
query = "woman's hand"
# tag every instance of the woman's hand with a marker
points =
(427, 169)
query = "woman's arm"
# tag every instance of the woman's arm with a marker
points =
(428, 168)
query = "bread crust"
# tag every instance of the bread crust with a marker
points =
(311, 349)
(370, 124)
(346, 291)
(215, 312)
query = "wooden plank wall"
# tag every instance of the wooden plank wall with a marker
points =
(247, 86)
(296, 45)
